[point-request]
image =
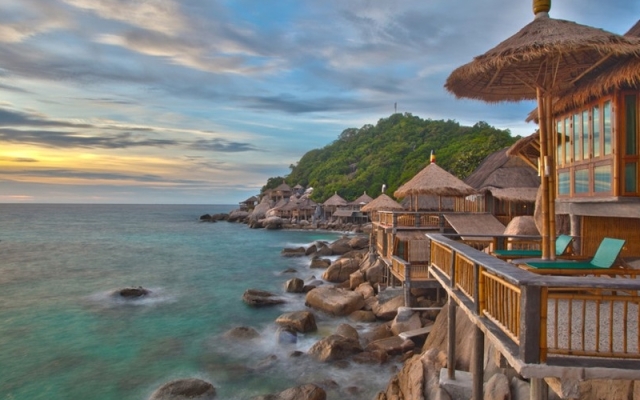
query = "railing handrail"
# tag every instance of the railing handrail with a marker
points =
(520, 277)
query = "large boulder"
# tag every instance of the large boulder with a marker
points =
(359, 242)
(340, 270)
(334, 301)
(317, 262)
(362, 316)
(389, 309)
(334, 347)
(304, 392)
(300, 321)
(392, 345)
(260, 211)
(405, 322)
(293, 252)
(241, 333)
(340, 246)
(295, 285)
(347, 331)
(356, 279)
(272, 223)
(497, 388)
(238, 216)
(133, 292)
(366, 290)
(374, 273)
(185, 389)
(261, 298)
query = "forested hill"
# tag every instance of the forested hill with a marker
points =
(392, 152)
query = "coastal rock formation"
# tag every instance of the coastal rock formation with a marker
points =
(389, 309)
(133, 292)
(347, 331)
(185, 389)
(295, 285)
(272, 223)
(340, 270)
(238, 216)
(362, 316)
(359, 242)
(293, 252)
(261, 298)
(334, 347)
(317, 262)
(497, 388)
(286, 335)
(341, 246)
(300, 321)
(304, 392)
(241, 333)
(334, 301)
(393, 345)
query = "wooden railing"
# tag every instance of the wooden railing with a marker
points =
(565, 321)
(411, 220)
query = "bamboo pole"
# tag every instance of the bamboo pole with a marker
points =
(543, 174)
(552, 177)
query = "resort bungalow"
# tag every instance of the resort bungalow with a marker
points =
(249, 204)
(351, 212)
(331, 205)
(506, 186)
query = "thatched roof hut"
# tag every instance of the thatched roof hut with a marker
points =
(382, 203)
(362, 200)
(335, 201)
(499, 170)
(435, 181)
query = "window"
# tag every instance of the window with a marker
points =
(630, 177)
(630, 126)
(602, 179)
(595, 128)
(560, 143)
(581, 181)
(563, 183)
(606, 119)
(585, 135)
(567, 140)
(577, 135)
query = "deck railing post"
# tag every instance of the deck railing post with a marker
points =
(394, 220)
(478, 363)
(407, 284)
(451, 336)
(530, 324)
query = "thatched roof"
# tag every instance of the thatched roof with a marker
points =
(501, 171)
(335, 200)
(283, 187)
(382, 203)
(302, 203)
(475, 224)
(251, 199)
(515, 195)
(548, 53)
(433, 180)
(364, 199)
(528, 147)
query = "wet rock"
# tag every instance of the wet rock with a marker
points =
(340, 270)
(299, 321)
(295, 285)
(334, 301)
(324, 251)
(266, 362)
(362, 316)
(356, 279)
(347, 331)
(185, 389)
(359, 242)
(392, 346)
(292, 252)
(272, 223)
(375, 357)
(389, 309)
(205, 217)
(286, 335)
(334, 347)
(405, 321)
(261, 298)
(290, 271)
(318, 262)
(133, 292)
(366, 290)
(380, 332)
(241, 333)
(304, 392)
(340, 246)
(238, 216)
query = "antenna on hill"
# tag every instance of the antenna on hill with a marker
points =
(395, 107)
(384, 187)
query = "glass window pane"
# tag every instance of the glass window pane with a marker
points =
(577, 134)
(563, 182)
(581, 181)
(631, 177)
(595, 128)
(606, 128)
(567, 139)
(630, 125)
(585, 135)
(602, 181)
(559, 148)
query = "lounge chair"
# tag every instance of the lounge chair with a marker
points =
(562, 244)
(604, 258)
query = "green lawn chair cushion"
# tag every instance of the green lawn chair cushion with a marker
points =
(562, 242)
(604, 258)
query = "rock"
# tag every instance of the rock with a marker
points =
(185, 389)
(520, 390)
(317, 262)
(292, 252)
(371, 357)
(334, 347)
(324, 251)
(304, 392)
(347, 331)
(340, 246)
(497, 388)
(273, 223)
(337, 302)
(389, 309)
(375, 273)
(402, 323)
(356, 279)
(295, 285)
(392, 345)
(340, 270)
(133, 293)
(362, 316)
(380, 332)
(300, 321)
(290, 271)
(241, 333)
(260, 211)
(205, 217)
(366, 290)
(359, 242)
(286, 335)
(311, 250)
(261, 298)
(238, 216)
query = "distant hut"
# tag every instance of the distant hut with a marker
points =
(298, 190)
(380, 203)
(283, 191)
(507, 187)
(249, 204)
(304, 208)
(433, 181)
(356, 206)
(331, 205)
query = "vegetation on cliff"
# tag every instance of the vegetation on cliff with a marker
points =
(391, 153)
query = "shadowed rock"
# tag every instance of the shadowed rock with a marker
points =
(261, 298)
(185, 389)
(133, 293)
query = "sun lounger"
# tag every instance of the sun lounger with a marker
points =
(604, 258)
(562, 244)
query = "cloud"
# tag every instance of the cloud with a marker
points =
(19, 159)
(223, 146)
(58, 139)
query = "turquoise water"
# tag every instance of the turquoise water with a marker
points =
(64, 336)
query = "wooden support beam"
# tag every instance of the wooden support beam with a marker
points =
(478, 363)
(451, 337)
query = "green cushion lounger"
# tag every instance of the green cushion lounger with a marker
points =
(604, 258)
(562, 243)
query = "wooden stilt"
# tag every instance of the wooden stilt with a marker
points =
(539, 390)
(552, 177)
(478, 363)
(451, 354)
(543, 175)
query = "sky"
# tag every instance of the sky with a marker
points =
(201, 101)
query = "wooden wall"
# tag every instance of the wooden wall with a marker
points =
(594, 229)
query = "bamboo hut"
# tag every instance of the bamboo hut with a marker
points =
(249, 204)
(380, 203)
(331, 205)
(507, 187)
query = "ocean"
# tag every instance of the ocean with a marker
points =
(63, 335)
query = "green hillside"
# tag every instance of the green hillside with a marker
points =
(392, 152)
